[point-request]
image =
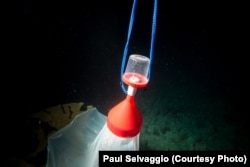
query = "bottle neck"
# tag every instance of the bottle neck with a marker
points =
(131, 91)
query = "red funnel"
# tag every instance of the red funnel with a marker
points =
(125, 119)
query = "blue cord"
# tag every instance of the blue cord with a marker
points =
(128, 38)
(152, 38)
(132, 17)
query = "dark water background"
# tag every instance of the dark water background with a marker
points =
(68, 53)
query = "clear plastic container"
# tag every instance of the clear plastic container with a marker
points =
(136, 72)
(78, 144)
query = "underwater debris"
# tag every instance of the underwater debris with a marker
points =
(49, 121)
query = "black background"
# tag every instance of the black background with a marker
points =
(59, 53)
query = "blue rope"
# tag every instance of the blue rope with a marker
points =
(132, 16)
(152, 38)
